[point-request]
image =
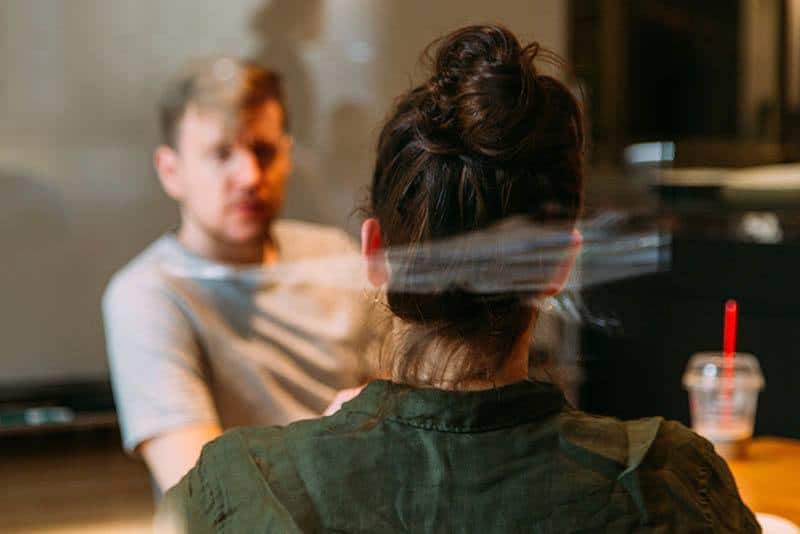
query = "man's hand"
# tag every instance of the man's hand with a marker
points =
(342, 397)
(172, 455)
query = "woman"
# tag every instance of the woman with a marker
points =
(455, 438)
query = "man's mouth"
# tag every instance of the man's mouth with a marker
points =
(249, 207)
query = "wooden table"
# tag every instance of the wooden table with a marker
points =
(769, 477)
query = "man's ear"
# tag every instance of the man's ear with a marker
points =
(373, 253)
(563, 270)
(167, 162)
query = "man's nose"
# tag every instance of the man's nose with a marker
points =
(247, 169)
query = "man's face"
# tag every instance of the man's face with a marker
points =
(230, 187)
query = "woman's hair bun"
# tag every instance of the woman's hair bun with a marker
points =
(486, 138)
(482, 95)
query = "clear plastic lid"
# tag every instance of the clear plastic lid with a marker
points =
(707, 370)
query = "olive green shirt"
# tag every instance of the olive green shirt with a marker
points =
(512, 459)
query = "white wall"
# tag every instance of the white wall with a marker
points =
(79, 81)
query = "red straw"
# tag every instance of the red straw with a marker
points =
(729, 331)
(728, 351)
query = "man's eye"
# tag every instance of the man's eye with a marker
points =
(265, 152)
(223, 153)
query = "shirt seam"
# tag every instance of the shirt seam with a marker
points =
(702, 494)
(216, 505)
(454, 430)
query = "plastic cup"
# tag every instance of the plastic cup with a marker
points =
(722, 399)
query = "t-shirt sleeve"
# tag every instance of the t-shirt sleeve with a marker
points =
(156, 362)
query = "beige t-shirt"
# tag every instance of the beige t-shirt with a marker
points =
(191, 341)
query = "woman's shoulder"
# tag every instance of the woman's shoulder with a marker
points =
(255, 448)
(648, 442)
(609, 443)
(672, 475)
(685, 465)
(231, 484)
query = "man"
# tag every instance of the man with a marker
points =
(198, 339)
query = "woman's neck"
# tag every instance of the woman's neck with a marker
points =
(514, 369)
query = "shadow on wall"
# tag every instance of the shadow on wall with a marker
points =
(33, 229)
(333, 146)
(283, 27)
(349, 160)
(69, 218)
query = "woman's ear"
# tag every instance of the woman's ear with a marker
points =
(166, 161)
(373, 253)
(563, 270)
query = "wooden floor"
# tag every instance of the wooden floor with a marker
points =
(80, 482)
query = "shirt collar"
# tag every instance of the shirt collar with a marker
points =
(459, 411)
(180, 262)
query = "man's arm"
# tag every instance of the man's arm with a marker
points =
(165, 406)
(184, 508)
(171, 455)
(343, 396)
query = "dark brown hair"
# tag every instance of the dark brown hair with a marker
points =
(234, 87)
(487, 137)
